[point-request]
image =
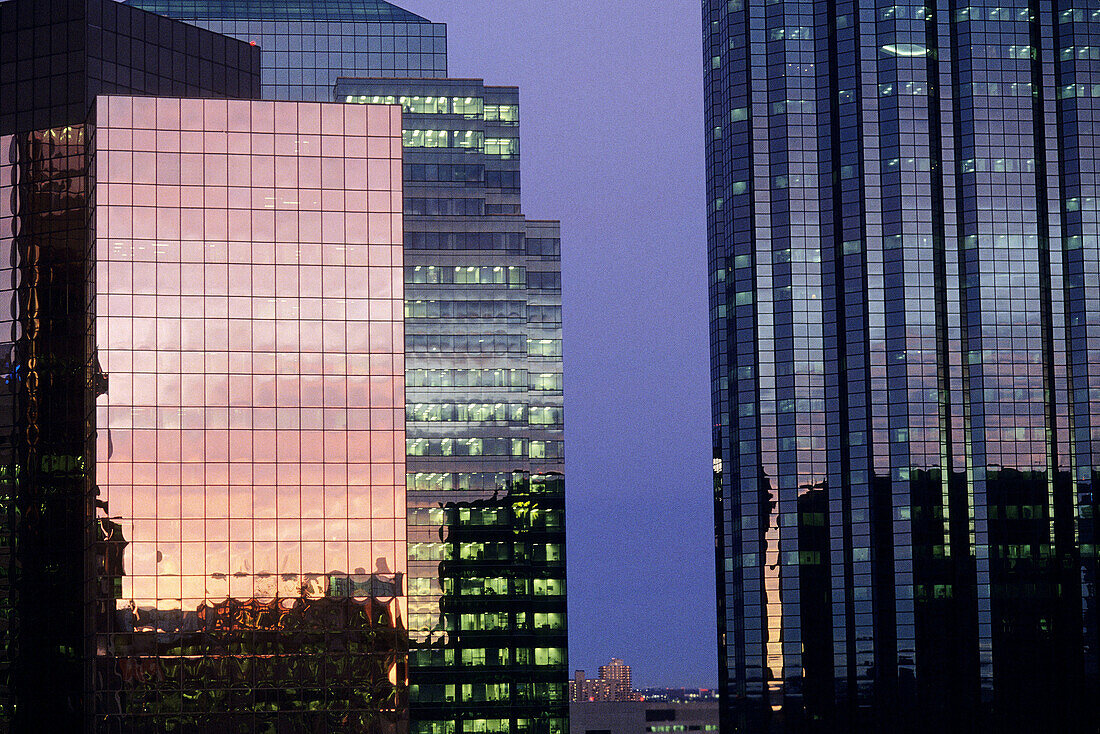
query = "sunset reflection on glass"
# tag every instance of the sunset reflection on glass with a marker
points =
(250, 412)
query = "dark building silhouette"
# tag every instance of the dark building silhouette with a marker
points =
(905, 315)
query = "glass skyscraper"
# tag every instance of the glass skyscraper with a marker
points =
(484, 416)
(247, 371)
(905, 321)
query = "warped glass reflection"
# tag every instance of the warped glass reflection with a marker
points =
(249, 415)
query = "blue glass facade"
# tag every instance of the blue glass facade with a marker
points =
(904, 309)
(307, 45)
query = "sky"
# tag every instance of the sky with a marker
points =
(612, 145)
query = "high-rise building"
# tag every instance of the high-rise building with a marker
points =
(307, 44)
(248, 376)
(905, 318)
(206, 384)
(484, 415)
(618, 673)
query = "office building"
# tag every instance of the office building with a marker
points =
(246, 342)
(484, 416)
(235, 316)
(307, 44)
(55, 58)
(905, 317)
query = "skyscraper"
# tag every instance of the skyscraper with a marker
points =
(205, 433)
(485, 414)
(905, 315)
(246, 341)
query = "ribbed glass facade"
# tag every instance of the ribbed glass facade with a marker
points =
(307, 44)
(905, 318)
(484, 416)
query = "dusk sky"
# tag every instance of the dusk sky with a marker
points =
(612, 145)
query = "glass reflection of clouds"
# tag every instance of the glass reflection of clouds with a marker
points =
(250, 444)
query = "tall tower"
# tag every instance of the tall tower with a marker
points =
(905, 318)
(58, 57)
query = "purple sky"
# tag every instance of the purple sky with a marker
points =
(612, 145)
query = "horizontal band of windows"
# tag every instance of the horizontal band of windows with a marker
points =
(539, 415)
(420, 207)
(543, 314)
(520, 515)
(466, 343)
(544, 347)
(472, 140)
(543, 281)
(469, 107)
(513, 276)
(515, 482)
(440, 692)
(544, 246)
(482, 551)
(468, 139)
(502, 209)
(471, 309)
(466, 412)
(467, 378)
(513, 447)
(445, 172)
(500, 241)
(464, 173)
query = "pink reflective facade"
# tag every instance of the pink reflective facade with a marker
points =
(249, 445)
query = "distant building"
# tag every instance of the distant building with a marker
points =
(641, 717)
(613, 684)
(676, 694)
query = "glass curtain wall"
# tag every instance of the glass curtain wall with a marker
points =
(307, 44)
(902, 289)
(247, 372)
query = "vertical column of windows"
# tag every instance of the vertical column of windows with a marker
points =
(865, 604)
(911, 426)
(846, 356)
(756, 362)
(730, 224)
(1076, 32)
